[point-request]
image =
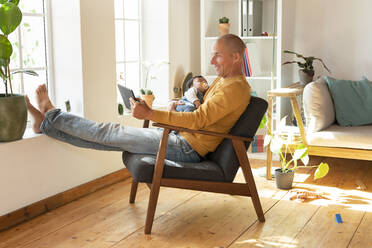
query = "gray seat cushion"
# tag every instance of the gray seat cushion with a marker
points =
(220, 165)
(141, 167)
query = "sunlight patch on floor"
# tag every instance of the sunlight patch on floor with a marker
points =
(351, 199)
(273, 241)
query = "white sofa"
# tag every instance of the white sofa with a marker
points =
(324, 137)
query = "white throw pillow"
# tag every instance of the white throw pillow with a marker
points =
(318, 106)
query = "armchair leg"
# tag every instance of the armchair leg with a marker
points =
(153, 200)
(133, 191)
(247, 172)
(156, 179)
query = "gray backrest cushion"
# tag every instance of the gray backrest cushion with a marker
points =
(246, 126)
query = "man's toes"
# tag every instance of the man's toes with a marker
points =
(38, 89)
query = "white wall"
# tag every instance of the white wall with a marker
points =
(184, 40)
(338, 31)
(36, 168)
(98, 54)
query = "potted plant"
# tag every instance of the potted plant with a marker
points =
(13, 118)
(148, 96)
(223, 26)
(306, 73)
(282, 146)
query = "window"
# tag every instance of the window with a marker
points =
(29, 48)
(128, 43)
(142, 49)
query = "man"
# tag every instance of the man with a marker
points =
(223, 103)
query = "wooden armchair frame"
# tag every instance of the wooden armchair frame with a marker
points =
(242, 189)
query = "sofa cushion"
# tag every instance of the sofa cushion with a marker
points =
(359, 137)
(352, 100)
(318, 106)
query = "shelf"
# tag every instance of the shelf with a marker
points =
(257, 38)
(248, 78)
(222, 0)
(244, 38)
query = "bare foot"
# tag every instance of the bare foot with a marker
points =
(36, 116)
(43, 100)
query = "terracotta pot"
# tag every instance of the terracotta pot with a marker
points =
(305, 76)
(223, 28)
(13, 117)
(283, 180)
(149, 99)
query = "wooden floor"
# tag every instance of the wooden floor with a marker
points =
(193, 219)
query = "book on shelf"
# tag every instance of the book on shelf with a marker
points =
(257, 144)
(252, 66)
(246, 65)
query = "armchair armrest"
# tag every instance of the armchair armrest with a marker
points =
(226, 136)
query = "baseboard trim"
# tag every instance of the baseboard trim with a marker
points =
(35, 209)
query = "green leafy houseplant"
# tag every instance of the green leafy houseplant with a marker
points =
(13, 110)
(306, 66)
(281, 146)
(10, 18)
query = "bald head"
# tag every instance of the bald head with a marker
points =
(232, 43)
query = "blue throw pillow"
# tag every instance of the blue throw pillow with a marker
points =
(352, 100)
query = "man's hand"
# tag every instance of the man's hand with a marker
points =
(173, 104)
(140, 110)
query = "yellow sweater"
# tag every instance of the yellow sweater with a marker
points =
(223, 103)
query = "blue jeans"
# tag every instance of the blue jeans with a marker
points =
(114, 137)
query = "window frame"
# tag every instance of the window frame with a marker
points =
(124, 62)
(45, 16)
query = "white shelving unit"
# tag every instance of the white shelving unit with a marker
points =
(266, 51)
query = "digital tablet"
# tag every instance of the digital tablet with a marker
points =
(126, 93)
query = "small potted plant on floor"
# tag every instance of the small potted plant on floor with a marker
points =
(282, 146)
(223, 26)
(306, 72)
(13, 117)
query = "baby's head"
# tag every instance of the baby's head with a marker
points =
(200, 83)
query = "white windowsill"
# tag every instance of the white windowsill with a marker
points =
(29, 133)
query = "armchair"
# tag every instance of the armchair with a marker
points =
(215, 174)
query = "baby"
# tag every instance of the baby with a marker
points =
(194, 95)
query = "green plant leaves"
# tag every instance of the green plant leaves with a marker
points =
(120, 109)
(6, 48)
(10, 17)
(263, 122)
(322, 170)
(16, 2)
